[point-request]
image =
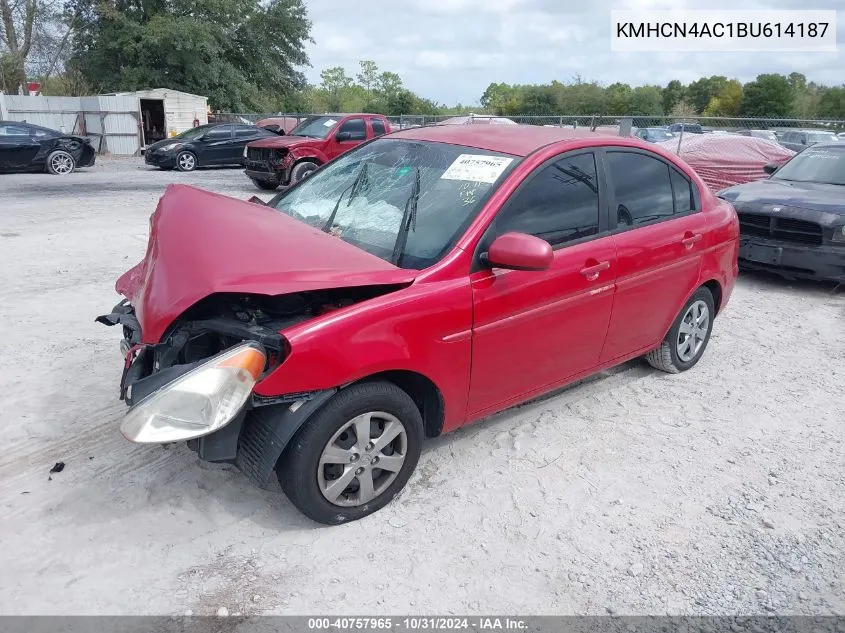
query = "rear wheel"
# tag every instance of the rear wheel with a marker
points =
(265, 185)
(354, 455)
(186, 161)
(687, 339)
(60, 163)
(302, 170)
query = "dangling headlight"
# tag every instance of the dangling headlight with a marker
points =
(199, 402)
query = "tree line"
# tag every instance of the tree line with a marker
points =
(767, 96)
(248, 56)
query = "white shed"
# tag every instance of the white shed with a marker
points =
(165, 112)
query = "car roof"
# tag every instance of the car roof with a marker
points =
(517, 140)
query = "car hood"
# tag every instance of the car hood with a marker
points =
(798, 195)
(203, 243)
(284, 141)
(166, 141)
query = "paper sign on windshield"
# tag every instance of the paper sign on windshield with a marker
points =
(330, 122)
(477, 168)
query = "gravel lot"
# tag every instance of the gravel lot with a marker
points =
(718, 491)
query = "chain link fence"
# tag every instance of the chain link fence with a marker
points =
(695, 124)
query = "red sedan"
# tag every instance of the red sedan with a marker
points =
(420, 282)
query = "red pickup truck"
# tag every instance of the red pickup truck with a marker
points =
(284, 160)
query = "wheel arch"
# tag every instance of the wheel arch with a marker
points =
(715, 289)
(425, 394)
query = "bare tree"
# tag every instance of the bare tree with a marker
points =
(31, 39)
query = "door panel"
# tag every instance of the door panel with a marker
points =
(659, 258)
(537, 328)
(656, 273)
(357, 127)
(17, 147)
(217, 146)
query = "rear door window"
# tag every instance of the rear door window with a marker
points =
(642, 188)
(219, 133)
(378, 127)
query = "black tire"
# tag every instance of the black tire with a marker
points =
(667, 357)
(302, 170)
(186, 161)
(298, 467)
(265, 185)
(60, 163)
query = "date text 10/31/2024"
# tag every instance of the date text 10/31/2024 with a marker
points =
(415, 624)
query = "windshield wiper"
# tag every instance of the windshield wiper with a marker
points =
(360, 177)
(409, 220)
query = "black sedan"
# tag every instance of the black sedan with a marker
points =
(206, 145)
(26, 147)
(793, 223)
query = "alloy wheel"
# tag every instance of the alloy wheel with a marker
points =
(693, 331)
(61, 164)
(362, 459)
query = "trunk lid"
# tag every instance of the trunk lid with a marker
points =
(203, 243)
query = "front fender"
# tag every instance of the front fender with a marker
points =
(425, 328)
(308, 153)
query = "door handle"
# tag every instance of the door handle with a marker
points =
(691, 239)
(592, 271)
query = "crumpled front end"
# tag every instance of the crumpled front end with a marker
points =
(268, 164)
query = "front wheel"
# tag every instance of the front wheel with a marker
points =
(60, 163)
(687, 339)
(354, 455)
(302, 170)
(186, 161)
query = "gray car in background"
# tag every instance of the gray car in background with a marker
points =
(796, 140)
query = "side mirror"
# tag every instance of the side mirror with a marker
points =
(519, 251)
(770, 168)
(343, 136)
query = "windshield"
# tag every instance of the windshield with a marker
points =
(821, 137)
(399, 197)
(315, 127)
(194, 132)
(660, 134)
(816, 164)
(764, 134)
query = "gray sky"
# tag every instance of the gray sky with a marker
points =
(451, 50)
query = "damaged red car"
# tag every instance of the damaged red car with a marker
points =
(420, 282)
(316, 140)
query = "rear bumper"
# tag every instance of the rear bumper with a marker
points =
(798, 261)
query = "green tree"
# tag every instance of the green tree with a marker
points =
(618, 98)
(389, 85)
(701, 91)
(237, 52)
(726, 103)
(538, 100)
(673, 93)
(767, 96)
(333, 81)
(368, 77)
(832, 104)
(647, 101)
